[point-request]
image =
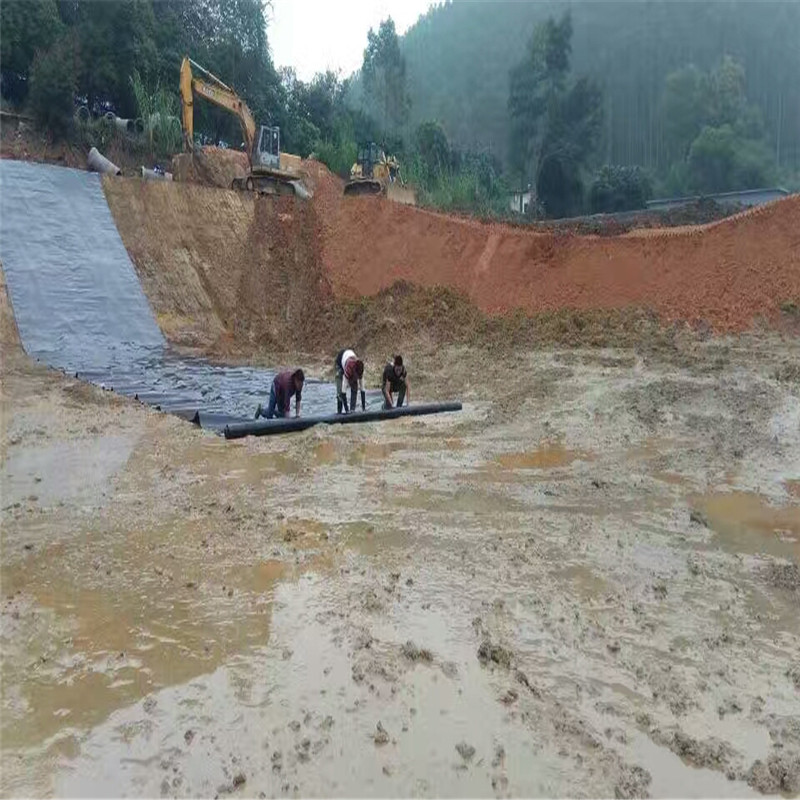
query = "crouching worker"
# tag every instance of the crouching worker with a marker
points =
(395, 381)
(285, 385)
(350, 371)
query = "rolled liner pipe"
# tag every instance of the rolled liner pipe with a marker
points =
(272, 427)
(99, 163)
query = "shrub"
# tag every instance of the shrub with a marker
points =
(158, 110)
(619, 188)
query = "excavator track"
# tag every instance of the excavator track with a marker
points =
(264, 184)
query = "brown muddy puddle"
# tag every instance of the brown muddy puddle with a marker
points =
(548, 462)
(551, 455)
(746, 522)
(158, 607)
(339, 450)
(291, 719)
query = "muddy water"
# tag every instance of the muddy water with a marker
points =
(423, 608)
(748, 522)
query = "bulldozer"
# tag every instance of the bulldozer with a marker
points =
(262, 142)
(376, 173)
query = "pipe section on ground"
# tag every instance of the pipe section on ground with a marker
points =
(97, 162)
(152, 175)
(274, 426)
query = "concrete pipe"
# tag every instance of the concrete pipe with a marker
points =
(83, 113)
(152, 175)
(125, 125)
(97, 162)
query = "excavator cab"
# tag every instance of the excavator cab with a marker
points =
(268, 148)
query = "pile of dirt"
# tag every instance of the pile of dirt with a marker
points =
(210, 166)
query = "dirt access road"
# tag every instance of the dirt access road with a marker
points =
(595, 594)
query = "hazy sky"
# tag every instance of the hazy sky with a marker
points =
(315, 35)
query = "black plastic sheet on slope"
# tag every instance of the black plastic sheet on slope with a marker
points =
(79, 305)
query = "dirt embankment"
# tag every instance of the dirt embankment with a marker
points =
(234, 273)
(222, 268)
(727, 273)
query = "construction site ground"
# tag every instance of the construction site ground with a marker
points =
(585, 584)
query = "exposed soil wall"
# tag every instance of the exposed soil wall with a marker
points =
(222, 267)
(727, 273)
(225, 268)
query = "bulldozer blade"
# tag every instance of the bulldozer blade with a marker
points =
(364, 187)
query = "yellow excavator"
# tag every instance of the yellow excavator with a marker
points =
(263, 143)
(376, 173)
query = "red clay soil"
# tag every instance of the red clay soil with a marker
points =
(727, 273)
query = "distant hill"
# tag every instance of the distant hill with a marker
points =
(459, 56)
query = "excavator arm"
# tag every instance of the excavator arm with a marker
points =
(215, 91)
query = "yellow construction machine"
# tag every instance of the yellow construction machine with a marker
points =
(376, 173)
(262, 143)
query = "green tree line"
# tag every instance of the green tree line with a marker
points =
(595, 108)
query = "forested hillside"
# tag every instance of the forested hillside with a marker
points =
(459, 57)
(595, 105)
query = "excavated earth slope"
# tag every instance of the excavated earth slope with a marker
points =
(219, 263)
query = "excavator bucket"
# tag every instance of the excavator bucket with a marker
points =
(362, 186)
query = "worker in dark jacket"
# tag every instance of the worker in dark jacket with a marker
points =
(349, 369)
(395, 381)
(285, 385)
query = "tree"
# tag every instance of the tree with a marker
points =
(432, 145)
(112, 39)
(555, 127)
(53, 79)
(383, 72)
(714, 131)
(27, 27)
(682, 109)
(535, 84)
(720, 160)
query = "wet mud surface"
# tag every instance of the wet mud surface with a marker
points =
(585, 586)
